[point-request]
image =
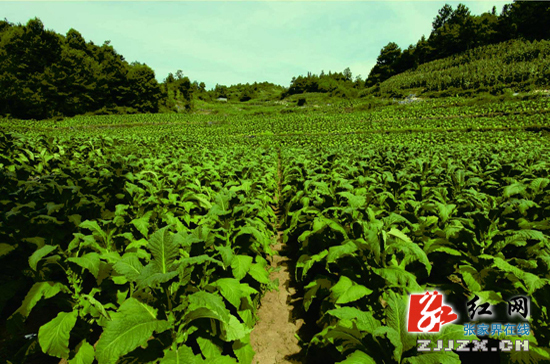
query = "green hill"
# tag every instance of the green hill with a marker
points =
(517, 65)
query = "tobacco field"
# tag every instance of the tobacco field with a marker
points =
(148, 238)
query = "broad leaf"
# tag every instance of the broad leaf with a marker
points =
(38, 291)
(89, 261)
(129, 266)
(5, 249)
(259, 273)
(39, 254)
(85, 354)
(364, 320)
(243, 350)
(434, 358)
(53, 337)
(346, 291)
(164, 249)
(142, 224)
(240, 265)
(358, 357)
(182, 355)
(132, 325)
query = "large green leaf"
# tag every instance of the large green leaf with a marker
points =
(182, 355)
(5, 249)
(345, 339)
(306, 262)
(233, 290)
(164, 249)
(358, 357)
(336, 252)
(53, 337)
(223, 360)
(514, 189)
(312, 288)
(38, 291)
(39, 254)
(234, 330)
(396, 317)
(321, 222)
(399, 234)
(89, 261)
(94, 227)
(259, 273)
(411, 252)
(129, 266)
(240, 265)
(365, 321)
(226, 253)
(142, 223)
(250, 230)
(151, 276)
(206, 305)
(434, 358)
(445, 211)
(208, 349)
(531, 281)
(471, 277)
(393, 337)
(85, 354)
(399, 277)
(346, 291)
(243, 350)
(132, 325)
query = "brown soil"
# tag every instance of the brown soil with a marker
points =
(273, 338)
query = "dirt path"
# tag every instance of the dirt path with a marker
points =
(274, 337)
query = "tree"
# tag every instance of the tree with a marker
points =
(443, 16)
(26, 85)
(385, 64)
(144, 88)
(246, 94)
(388, 55)
(45, 74)
(526, 19)
(220, 91)
(347, 74)
(170, 78)
(185, 88)
(75, 40)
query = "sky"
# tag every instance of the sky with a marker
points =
(231, 42)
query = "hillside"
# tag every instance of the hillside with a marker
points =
(516, 65)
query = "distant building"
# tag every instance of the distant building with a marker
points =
(222, 99)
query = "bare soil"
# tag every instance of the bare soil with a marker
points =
(274, 337)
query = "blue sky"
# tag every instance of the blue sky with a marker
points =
(240, 41)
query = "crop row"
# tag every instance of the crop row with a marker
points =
(114, 252)
(371, 225)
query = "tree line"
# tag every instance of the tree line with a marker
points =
(44, 74)
(457, 30)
